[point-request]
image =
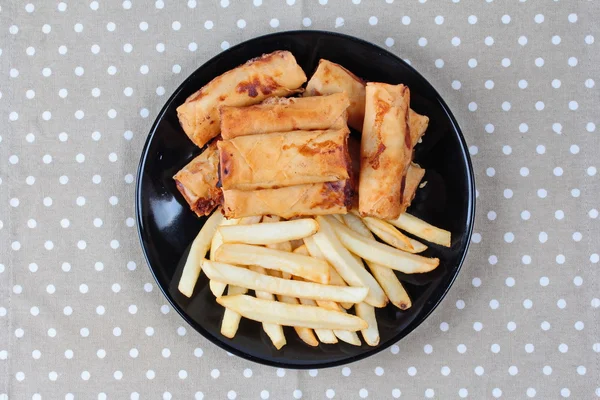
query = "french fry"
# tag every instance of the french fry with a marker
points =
(324, 335)
(218, 288)
(296, 264)
(238, 276)
(198, 250)
(370, 334)
(334, 277)
(307, 335)
(383, 254)
(346, 265)
(291, 314)
(269, 232)
(385, 276)
(231, 318)
(392, 236)
(274, 331)
(422, 229)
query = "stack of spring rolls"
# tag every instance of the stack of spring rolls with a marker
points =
(290, 156)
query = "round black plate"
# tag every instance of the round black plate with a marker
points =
(167, 226)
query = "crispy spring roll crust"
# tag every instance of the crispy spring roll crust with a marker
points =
(386, 150)
(414, 175)
(197, 181)
(274, 74)
(418, 125)
(292, 201)
(275, 160)
(333, 78)
(280, 114)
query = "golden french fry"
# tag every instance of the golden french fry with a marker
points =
(200, 246)
(218, 288)
(334, 277)
(296, 264)
(385, 276)
(238, 276)
(345, 264)
(302, 250)
(274, 331)
(422, 229)
(338, 217)
(370, 334)
(269, 232)
(291, 314)
(383, 254)
(231, 318)
(392, 236)
(307, 335)
(324, 335)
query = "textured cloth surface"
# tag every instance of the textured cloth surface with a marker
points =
(80, 85)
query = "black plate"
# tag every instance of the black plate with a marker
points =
(167, 226)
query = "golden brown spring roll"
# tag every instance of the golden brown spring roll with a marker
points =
(275, 160)
(288, 202)
(413, 178)
(418, 125)
(386, 150)
(280, 114)
(333, 78)
(274, 74)
(197, 181)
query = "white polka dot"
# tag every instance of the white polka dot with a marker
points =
(181, 331)
(556, 40)
(412, 371)
(177, 68)
(117, 331)
(505, 62)
(33, 267)
(472, 19)
(241, 23)
(505, 19)
(66, 267)
(30, 51)
(489, 41)
(472, 106)
(84, 332)
(560, 259)
(159, 4)
(573, 105)
(306, 22)
(455, 41)
(439, 20)
(313, 373)
(581, 370)
(46, 115)
(456, 85)
(79, 71)
(558, 171)
(572, 18)
(561, 303)
(544, 281)
(429, 393)
(563, 348)
(578, 281)
(422, 41)
(150, 374)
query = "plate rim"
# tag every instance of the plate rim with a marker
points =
(471, 204)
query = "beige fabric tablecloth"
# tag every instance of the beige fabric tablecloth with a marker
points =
(81, 83)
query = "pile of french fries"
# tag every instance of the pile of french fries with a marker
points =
(308, 273)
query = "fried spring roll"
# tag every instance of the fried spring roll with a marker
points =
(414, 175)
(197, 181)
(386, 150)
(333, 78)
(274, 160)
(418, 125)
(280, 114)
(274, 74)
(292, 201)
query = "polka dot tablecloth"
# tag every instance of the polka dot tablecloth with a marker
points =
(81, 83)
